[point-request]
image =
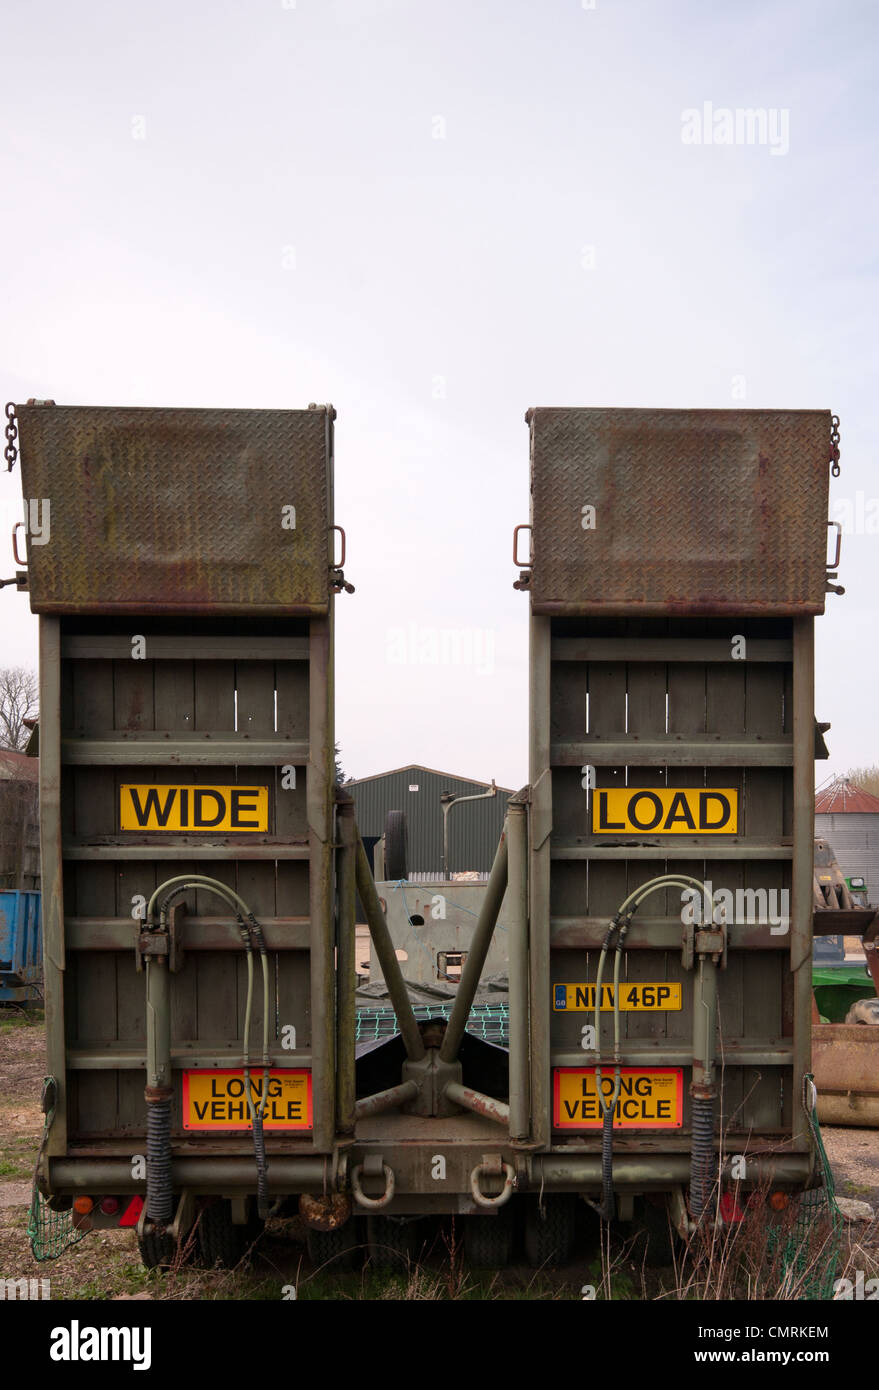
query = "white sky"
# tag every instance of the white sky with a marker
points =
(290, 230)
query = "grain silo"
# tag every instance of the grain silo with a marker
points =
(848, 818)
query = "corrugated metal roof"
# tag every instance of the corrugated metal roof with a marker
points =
(419, 767)
(843, 795)
(18, 767)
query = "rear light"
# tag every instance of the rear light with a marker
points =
(83, 1205)
(778, 1201)
(729, 1208)
(131, 1214)
(109, 1205)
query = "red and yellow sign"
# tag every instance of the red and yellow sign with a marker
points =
(216, 1099)
(649, 1098)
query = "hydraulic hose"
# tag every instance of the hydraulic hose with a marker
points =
(160, 1196)
(702, 1156)
(704, 1008)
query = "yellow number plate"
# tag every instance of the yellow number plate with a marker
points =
(664, 811)
(651, 1099)
(194, 809)
(634, 997)
(216, 1099)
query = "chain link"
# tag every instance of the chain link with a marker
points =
(10, 452)
(834, 445)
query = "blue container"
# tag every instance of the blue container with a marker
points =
(21, 947)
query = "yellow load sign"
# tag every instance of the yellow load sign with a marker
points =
(665, 810)
(648, 1099)
(189, 809)
(216, 1099)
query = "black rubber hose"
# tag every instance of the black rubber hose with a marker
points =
(702, 1159)
(608, 1203)
(160, 1192)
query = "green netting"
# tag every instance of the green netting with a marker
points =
(487, 1021)
(50, 1232)
(811, 1247)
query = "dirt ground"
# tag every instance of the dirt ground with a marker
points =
(106, 1264)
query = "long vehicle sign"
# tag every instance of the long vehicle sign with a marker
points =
(665, 811)
(650, 1098)
(189, 809)
(216, 1099)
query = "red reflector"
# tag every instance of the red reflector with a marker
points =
(730, 1209)
(109, 1205)
(131, 1214)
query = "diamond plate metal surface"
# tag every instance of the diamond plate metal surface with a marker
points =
(178, 511)
(696, 511)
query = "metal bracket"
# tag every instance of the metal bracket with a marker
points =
(184, 1216)
(711, 941)
(175, 947)
(704, 941)
(159, 943)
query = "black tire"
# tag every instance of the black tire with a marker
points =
(488, 1240)
(550, 1229)
(337, 1249)
(219, 1240)
(656, 1240)
(156, 1251)
(396, 845)
(392, 1241)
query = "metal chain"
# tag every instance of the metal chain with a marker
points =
(834, 445)
(10, 452)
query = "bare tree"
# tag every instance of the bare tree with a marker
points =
(19, 692)
(867, 778)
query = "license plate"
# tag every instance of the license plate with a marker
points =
(216, 1099)
(649, 1099)
(634, 998)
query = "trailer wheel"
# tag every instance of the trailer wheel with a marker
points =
(655, 1238)
(220, 1241)
(156, 1251)
(392, 1241)
(488, 1240)
(549, 1234)
(396, 845)
(337, 1249)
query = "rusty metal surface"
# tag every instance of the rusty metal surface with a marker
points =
(696, 511)
(844, 1064)
(325, 1213)
(178, 511)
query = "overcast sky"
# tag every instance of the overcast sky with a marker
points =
(436, 216)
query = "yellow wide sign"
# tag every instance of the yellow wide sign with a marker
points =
(189, 809)
(665, 810)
